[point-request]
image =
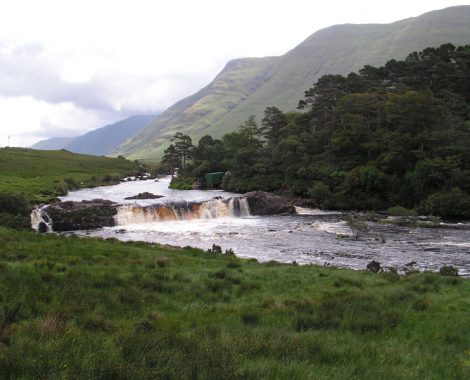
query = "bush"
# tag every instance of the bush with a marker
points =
(374, 267)
(452, 204)
(215, 249)
(13, 204)
(401, 211)
(14, 212)
(320, 193)
(449, 270)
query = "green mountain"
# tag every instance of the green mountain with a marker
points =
(55, 143)
(195, 114)
(246, 87)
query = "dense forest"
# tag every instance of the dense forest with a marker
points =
(397, 135)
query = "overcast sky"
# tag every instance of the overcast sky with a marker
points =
(67, 67)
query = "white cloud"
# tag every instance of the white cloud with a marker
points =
(98, 61)
(31, 120)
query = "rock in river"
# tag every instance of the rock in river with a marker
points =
(263, 203)
(84, 215)
(145, 195)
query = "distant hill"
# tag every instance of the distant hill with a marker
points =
(55, 143)
(247, 86)
(101, 141)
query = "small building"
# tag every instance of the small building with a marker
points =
(213, 179)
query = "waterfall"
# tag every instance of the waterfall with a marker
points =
(211, 209)
(40, 220)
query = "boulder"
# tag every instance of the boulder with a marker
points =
(263, 203)
(84, 215)
(145, 195)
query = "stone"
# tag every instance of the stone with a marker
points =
(263, 203)
(84, 215)
(145, 195)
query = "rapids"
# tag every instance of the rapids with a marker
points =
(195, 218)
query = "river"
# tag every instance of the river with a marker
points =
(311, 236)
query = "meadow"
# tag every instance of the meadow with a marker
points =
(29, 177)
(41, 176)
(88, 308)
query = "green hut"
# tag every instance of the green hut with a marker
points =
(214, 179)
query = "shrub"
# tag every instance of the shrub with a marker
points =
(13, 204)
(452, 204)
(449, 270)
(250, 318)
(374, 267)
(215, 249)
(357, 225)
(14, 211)
(401, 211)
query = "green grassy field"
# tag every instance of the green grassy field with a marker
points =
(40, 176)
(29, 177)
(86, 308)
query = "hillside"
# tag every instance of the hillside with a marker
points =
(40, 176)
(104, 140)
(54, 143)
(101, 141)
(338, 49)
(237, 81)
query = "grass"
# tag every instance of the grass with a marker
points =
(29, 177)
(40, 176)
(89, 308)
(103, 309)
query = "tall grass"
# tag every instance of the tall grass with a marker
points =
(87, 308)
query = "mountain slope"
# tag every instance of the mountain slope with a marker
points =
(103, 140)
(55, 143)
(344, 48)
(237, 81)
(338, 49)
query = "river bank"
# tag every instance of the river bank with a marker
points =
(309, 237)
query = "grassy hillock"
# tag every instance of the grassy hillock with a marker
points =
(87, 308)
(30, 177)
(246, 87)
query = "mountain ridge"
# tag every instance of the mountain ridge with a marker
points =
(337, 49)
(100, 141)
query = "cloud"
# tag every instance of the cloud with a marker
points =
(67, 66)
(30, 70)
(28, 120)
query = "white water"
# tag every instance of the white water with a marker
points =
(38, 216)
(312, 236)
(211, 209)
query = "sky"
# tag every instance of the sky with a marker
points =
(67, 67)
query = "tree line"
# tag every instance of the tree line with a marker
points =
(396, 135)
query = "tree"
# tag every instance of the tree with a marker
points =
(171, 159)
(251, 131)
(272, 124)
(183, 146)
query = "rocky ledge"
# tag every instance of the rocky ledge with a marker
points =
(263, 203)
(145, 195)
(84, 215)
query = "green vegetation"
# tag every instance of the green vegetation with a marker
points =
(393, 136)
(239, 79)
(246, 87)
(87, 308)
(29, 177)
